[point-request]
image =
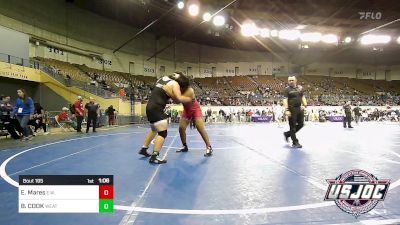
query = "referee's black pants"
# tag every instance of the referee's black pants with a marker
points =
(296, 122)
(347, 119)
(92, 118)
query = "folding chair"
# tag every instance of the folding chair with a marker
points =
(60, 124)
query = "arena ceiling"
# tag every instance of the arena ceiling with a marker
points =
(341, 17)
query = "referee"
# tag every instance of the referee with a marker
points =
(293, 98)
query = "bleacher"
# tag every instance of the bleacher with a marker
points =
(237, 90)
(65, 68)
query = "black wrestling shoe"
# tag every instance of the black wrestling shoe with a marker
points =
(155, 159)
(183, 149)
(208, 152)
(297, 145)
(286, 137)
(144, 152)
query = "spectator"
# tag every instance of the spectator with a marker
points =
(110, 112)
(92, 112)
(38, 119)
(64, 118)
(12, 125)
(122, 92)
(23, 111)
(79, 112)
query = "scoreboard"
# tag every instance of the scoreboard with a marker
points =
(66, 194)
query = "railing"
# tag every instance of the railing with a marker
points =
(103, 119)
(14, 60)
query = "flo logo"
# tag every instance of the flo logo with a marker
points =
(370, 15)
(356, 191)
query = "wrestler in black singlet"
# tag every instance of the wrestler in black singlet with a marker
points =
(157, 102)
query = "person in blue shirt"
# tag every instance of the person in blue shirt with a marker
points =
(23, 111)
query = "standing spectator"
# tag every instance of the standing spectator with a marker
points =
(208, 115)
(92, 109)
(79, 112)
(23, 111)
(68, 80)
(110, 112)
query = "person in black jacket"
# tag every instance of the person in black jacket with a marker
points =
(92, 110)
(347, 112)
(293, 98)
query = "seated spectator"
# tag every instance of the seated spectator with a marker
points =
(12, 125)
(38, 119)
(122, 92)
(63, 117)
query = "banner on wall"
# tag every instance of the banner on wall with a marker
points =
(252, 71)
(107, 61)
(19, 72)
(367, 74)
(149, 71)
(229, 71)
(206, 72)
(55, 53)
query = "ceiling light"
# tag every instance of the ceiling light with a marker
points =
(311, 37)
(274, 33)
(207, 16)
(264, 32)
(289, 34)
(300, 27)
(249, 29)
(193, 10)
(375, 39)
(347, 40)
(330, 39)
(219, 20)
(181, 5)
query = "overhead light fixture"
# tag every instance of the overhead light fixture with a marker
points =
(219, 20)
(375, 39)
(398, 40)
(264, 32)
(311, 37)
(249, 29)
(207, 16)
(330, 39)
(274, 33)
(289, 34)
(181, 4)
(347, 40)
(300, 27)
(193, 9)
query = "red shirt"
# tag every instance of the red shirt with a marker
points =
(63, 116)
(79, 111)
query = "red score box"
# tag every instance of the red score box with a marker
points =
(106, 192)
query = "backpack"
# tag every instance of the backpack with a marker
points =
(72, 108)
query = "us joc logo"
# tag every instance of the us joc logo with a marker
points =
(356, 191)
